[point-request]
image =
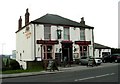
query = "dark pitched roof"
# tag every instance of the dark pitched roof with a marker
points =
(58, 20)
(99, 46)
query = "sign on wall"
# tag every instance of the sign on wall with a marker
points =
(27, 32)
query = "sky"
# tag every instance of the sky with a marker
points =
(101, 14)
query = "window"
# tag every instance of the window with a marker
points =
(47, 32)
(83, 51)
(82, 34)
(66, 33)
(48, 51)
(59, 34)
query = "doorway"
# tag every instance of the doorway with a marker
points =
(67, 51)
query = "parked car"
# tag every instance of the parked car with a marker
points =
(106, 58)
(111, 58)
(98, 61)
(85, 60)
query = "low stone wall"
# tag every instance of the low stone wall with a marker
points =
(34, 64)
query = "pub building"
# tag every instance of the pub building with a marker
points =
(52, 37)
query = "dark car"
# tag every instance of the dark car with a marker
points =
(115, 58)
(111, 58)
(107, 58)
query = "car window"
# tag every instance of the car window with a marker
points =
(83, 57)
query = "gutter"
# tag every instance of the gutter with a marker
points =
(93, 43)
(34, 43)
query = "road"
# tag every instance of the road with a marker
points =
(103, 74)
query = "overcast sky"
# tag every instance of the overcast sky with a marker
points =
(101, 14)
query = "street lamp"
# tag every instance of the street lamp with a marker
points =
(2, 48)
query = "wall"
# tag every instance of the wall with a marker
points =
(24, 45)
(102, 50)
(27, 46)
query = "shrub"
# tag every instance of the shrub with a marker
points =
(14, 65)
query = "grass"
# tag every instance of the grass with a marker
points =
(21, 71)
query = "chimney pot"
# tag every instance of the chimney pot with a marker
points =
(20, 23)
(27, 17)
(82, 22)
(82, 19)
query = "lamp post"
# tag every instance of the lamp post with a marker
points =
(2, 48)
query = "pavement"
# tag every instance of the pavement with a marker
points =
(61, 69)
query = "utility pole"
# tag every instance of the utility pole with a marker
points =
(2, 48)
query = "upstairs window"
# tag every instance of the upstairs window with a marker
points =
(82, 34)
(47, 32)
(66, 33)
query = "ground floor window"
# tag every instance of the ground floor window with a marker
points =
(48, 51)
(84, 51)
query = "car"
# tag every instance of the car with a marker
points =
(98, 61)
(106, 58)
(84, 60)
(115, 58)
(111, 58)
(87, 60)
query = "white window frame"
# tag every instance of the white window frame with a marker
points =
(66, 33)
(47, 34)
(82, 34)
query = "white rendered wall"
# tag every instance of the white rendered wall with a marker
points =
(74, 34)
(39, 35)
(24, 46)
(102, 50)
(27, 45)
(96, 52)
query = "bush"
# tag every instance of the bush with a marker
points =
(10, 65)
(14, 65)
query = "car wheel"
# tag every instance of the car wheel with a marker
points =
(80, 63)
(104, 61)
(116, 61)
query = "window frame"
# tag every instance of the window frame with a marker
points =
(45, 51)
(66, 35)
(47, 32)
(83, 53)
(82, 34)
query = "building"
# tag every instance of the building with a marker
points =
(52, 37)
(101, 50)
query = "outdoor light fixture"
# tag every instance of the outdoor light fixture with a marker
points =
(75, 49)
(60, 50)
(59, 33)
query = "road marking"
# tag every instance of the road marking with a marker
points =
(94, 77)
(84, 79)
(102, 75)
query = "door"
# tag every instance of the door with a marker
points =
(67, 52)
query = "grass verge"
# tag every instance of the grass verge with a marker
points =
(21, 71)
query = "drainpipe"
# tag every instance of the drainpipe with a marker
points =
(93, 44)
(34, 44)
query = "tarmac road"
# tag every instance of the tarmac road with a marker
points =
(103, 74)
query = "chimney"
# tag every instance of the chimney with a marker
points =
(27, 17)
(20, 23)
(82, 22)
